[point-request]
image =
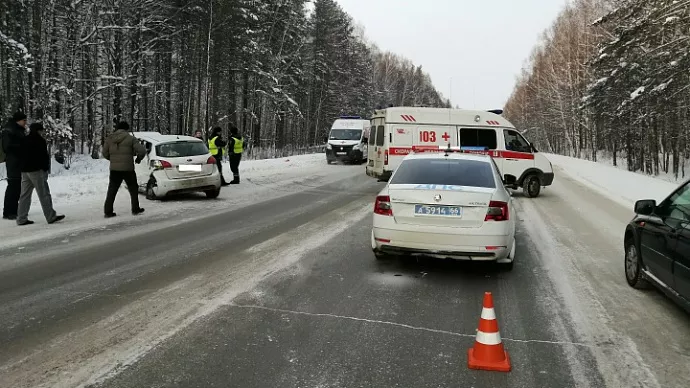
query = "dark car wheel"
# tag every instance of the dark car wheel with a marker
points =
(633, 265)
(531, 186)
(211, 194)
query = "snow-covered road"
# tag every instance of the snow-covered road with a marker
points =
(275, 285)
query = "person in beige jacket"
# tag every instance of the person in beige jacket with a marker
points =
(120, 149)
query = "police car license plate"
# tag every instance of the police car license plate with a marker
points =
(190, 167)
(432, 210)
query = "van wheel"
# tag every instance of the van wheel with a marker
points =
(531, 186)
(150, 195)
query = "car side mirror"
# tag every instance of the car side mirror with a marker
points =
(645, 207)
(509, 180)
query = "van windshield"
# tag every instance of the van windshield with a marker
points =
(345, 134)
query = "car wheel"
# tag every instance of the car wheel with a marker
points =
(212, 194)
(507, 266)
(633, 265)
(531, 186)
(150, 194)
(381, 256)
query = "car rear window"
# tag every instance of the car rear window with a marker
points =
(456, 172)
(181, 148)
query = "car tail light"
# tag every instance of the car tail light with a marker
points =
(160, 164)
(211, 160)
(385, 157)
(498, 211)
(383, 206)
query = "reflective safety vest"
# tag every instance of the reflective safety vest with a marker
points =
(212, 146)
(239, 146)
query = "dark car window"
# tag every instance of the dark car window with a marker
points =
(677, 206)
(455, 172)
(181, 148)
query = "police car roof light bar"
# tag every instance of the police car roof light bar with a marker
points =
(351, 117)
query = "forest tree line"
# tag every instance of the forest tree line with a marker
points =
(278, 70)
(611, 78)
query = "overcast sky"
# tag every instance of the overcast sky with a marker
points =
(480, 44)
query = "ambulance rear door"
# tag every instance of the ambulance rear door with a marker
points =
(400, 141)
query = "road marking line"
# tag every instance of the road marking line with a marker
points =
(430, 330)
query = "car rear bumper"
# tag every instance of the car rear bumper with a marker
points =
(474, 246)
(165, 186)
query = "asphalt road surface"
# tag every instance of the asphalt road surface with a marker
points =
(285, 292)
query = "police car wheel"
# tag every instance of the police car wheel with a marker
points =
(531, 186)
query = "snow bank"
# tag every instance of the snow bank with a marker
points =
(622, 186)
(87, 178)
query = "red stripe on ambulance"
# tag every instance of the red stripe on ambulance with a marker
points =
(402, 151)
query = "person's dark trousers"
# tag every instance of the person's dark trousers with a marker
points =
(116, 178)
(12, 193)
(235, 167)
(219, 163)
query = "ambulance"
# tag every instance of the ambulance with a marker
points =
(347, 140)
(399, 131)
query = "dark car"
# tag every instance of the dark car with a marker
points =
(657, 245)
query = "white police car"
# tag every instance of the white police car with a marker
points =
(176, 164)
(445, 204)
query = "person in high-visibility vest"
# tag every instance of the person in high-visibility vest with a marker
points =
(235, 149)
(215, 146)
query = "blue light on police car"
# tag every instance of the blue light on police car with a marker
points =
(351, 117)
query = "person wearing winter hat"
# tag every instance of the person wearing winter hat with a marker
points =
(11, 145)
(120, 149)
(35, 165)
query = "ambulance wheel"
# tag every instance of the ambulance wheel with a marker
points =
(531, 186)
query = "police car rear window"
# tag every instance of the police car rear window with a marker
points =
(181, 148)
(456, 172)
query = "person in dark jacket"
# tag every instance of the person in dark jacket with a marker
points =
(35, 165)
(215, 147)
(235, 149)
(120, 149)
(12, 143)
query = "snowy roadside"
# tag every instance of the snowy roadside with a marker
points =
(79, 193)
(620, 185)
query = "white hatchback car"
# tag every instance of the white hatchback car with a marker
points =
(175, 165)
(445, 204)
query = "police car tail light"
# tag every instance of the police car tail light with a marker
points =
(385, 157)
(382, 206)
(211, 160)
(160, 164)
(498, 211)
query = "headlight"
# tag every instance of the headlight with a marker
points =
(328, 146)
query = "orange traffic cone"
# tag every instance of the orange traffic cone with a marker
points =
(488, 352)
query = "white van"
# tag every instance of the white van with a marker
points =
(347, 140)
(399, 131)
